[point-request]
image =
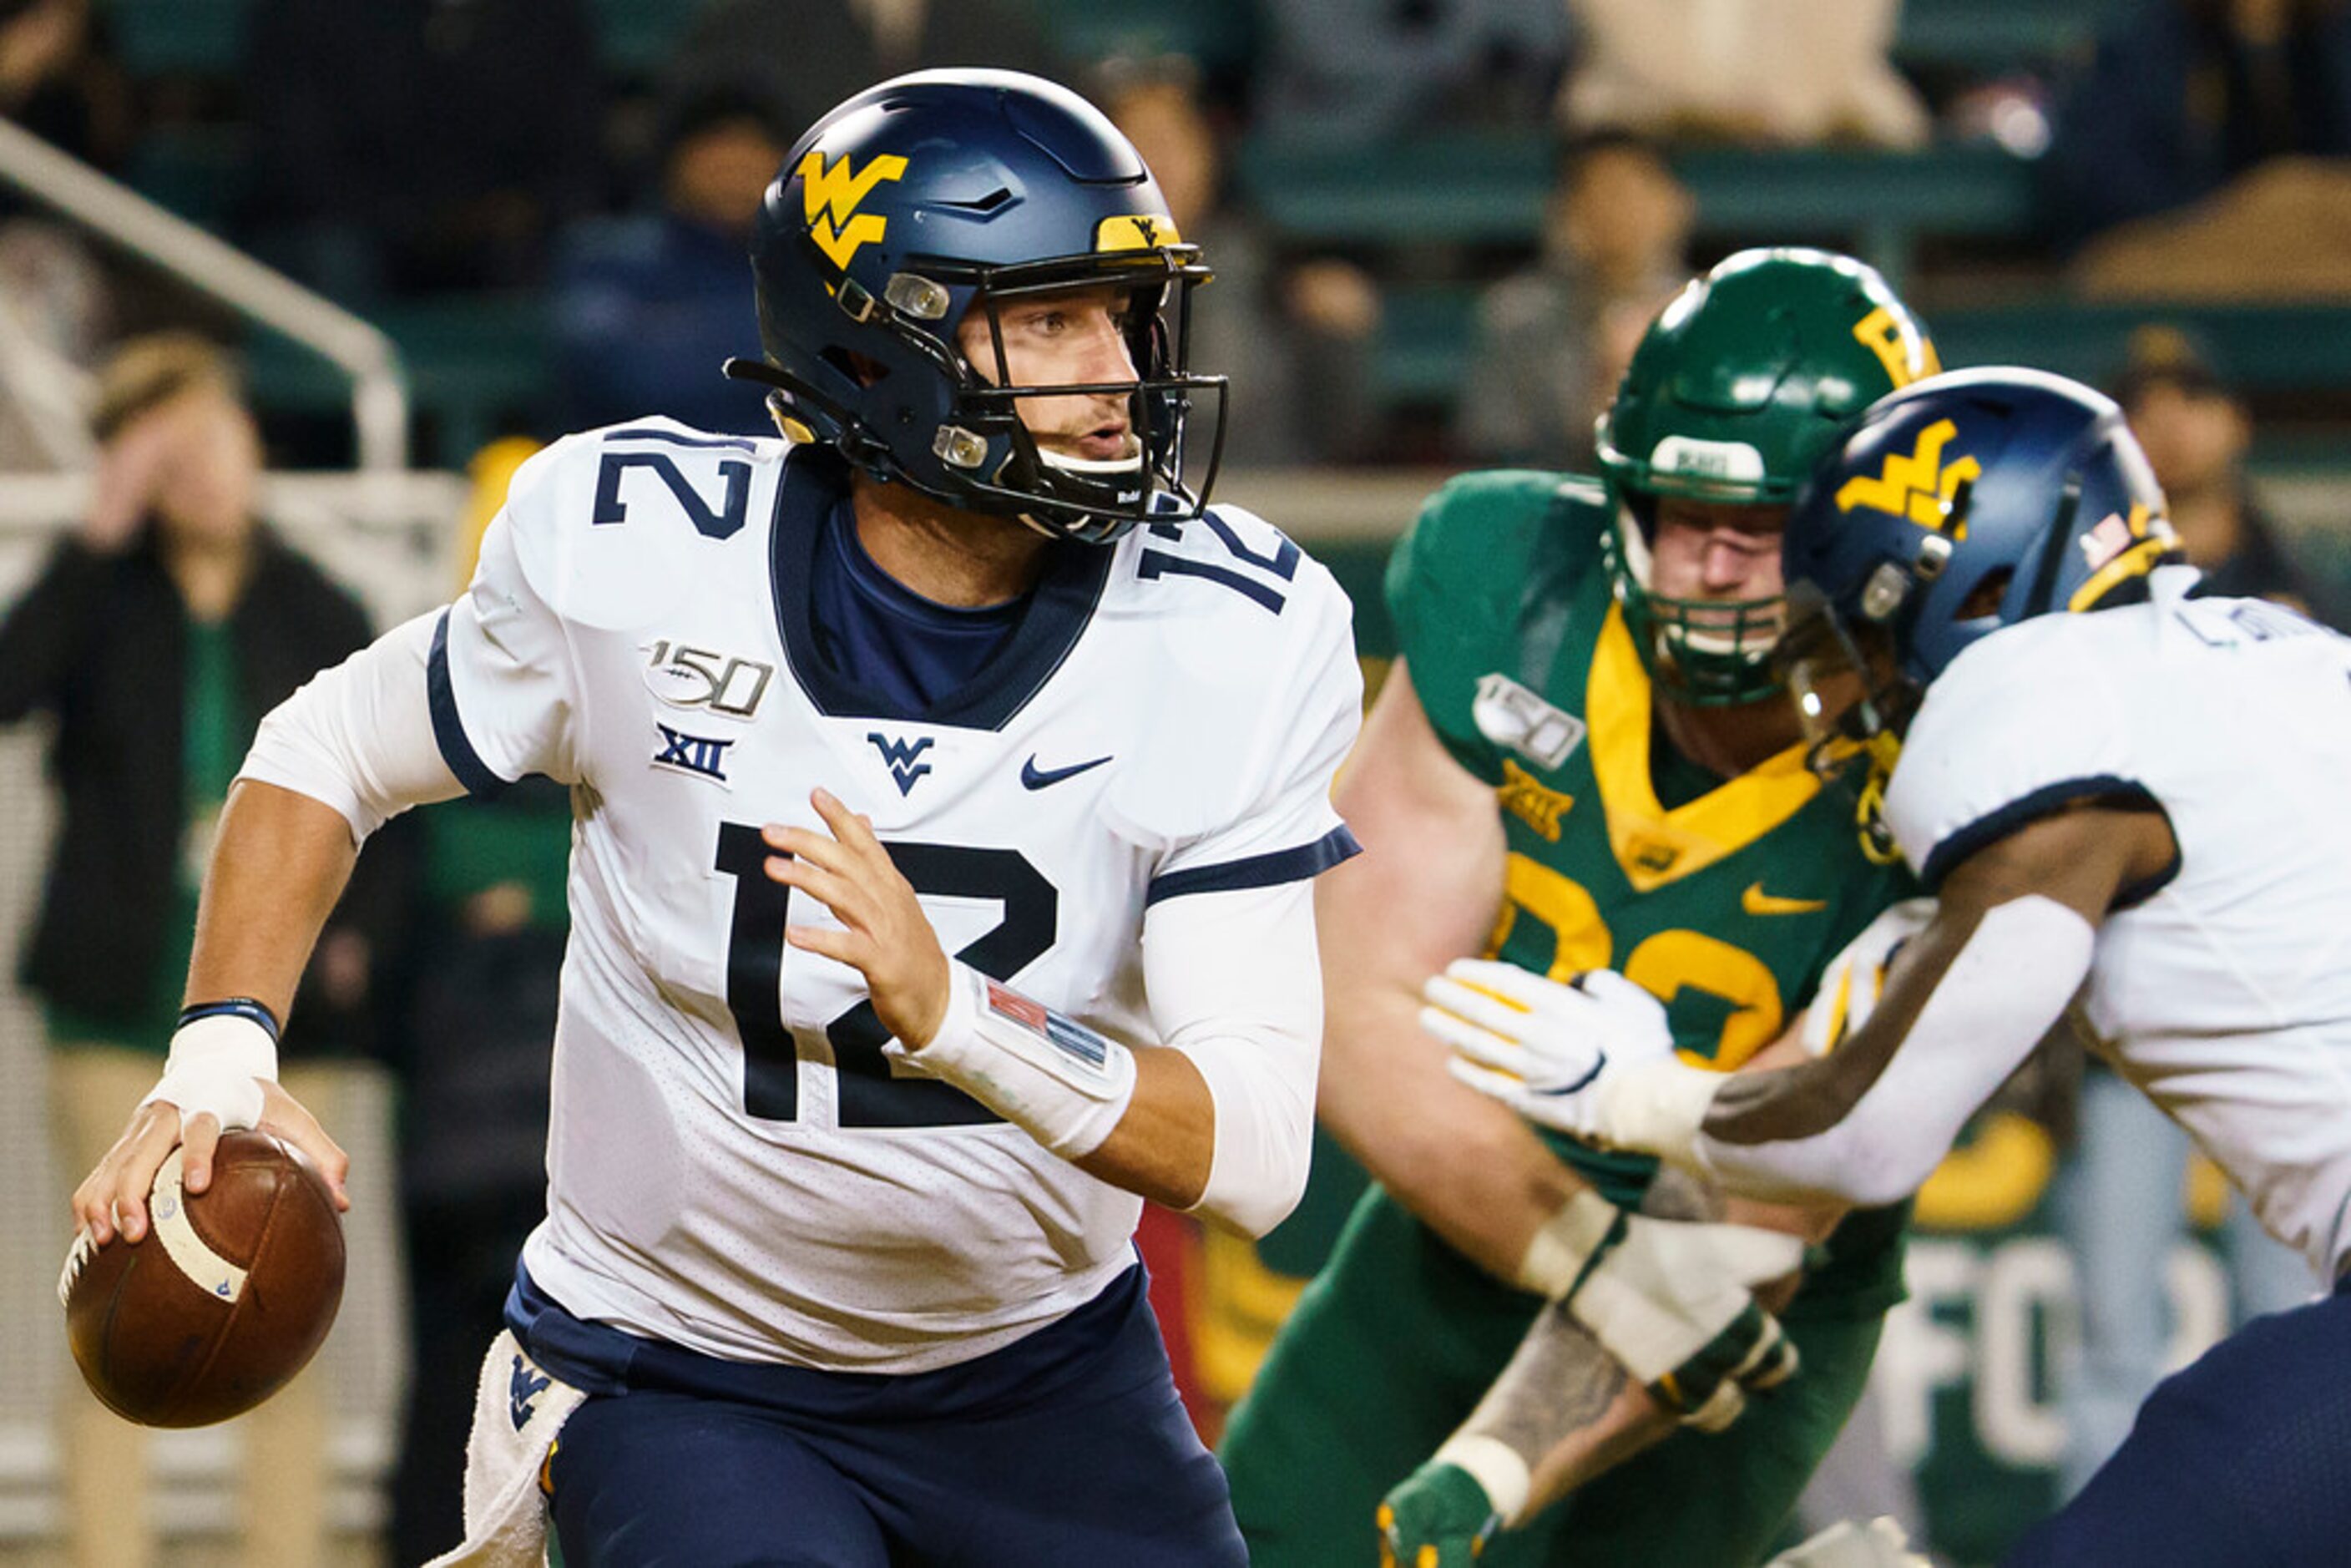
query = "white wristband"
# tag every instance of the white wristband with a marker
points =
(217, 1066)
(1555, 1260)
(1047, 1073)
(1495, 1466)
(1658, 1107)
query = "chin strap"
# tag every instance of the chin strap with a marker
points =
(1878, 845)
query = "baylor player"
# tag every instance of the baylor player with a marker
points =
(1570, 769)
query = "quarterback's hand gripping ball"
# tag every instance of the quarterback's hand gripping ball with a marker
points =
(226, 1297)
(1542, 1048)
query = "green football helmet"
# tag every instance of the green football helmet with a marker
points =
(1739, 387)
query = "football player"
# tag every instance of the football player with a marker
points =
(1579, 759)
(2124, 796)
(949, 780)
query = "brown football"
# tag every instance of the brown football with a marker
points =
(228, 1296)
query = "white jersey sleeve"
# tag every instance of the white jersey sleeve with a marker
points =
(2001, 741)
(1233, 981)
(500, 675)
(357, 736)
(1286, 709)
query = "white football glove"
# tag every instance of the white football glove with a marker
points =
(1671, 1300)
(1552, 1052)
(1856, 978)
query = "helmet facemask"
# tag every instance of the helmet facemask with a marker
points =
(1709, 652)
(983, 455)
(992, 452)
(1737, 389)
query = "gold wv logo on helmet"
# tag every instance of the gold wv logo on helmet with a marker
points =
(838, 191)
(1919, 486)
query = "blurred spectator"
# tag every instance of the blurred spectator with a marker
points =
(805, 56)
(2183, 96)
(1553, 340)
(646, 307)
(1295, 339)
(1788, 72)
(55, 306)
(156, 638)
(1341, 73)
(2196, 430)
(411, 145)
(58, 80)
(476, 1027)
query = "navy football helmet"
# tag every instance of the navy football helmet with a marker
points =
(1959, 504)
(934, 195)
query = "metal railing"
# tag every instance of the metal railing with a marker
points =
(378, 386)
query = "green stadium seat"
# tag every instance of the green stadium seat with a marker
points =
(2267, 347)
(637, 38)
(1485, 190)
(197, 171)
(1217, 33)
(474, 363)
(1994, 38)
(1973, 189)
(156, 37)
(1461, 188)
(1426, 333)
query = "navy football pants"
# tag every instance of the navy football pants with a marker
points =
(1069, 1447)
(2242, 1458)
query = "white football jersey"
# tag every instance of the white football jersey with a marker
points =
(2225, 991)
(734, 1164)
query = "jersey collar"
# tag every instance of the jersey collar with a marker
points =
(1059, 609)
(1655, 846)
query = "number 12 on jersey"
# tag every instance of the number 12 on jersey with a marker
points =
(869, 1096)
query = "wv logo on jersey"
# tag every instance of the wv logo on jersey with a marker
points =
(701, 754)
(838, 191)
(1920, 485)
(904, 757)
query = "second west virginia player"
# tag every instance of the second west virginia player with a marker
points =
(949, 780)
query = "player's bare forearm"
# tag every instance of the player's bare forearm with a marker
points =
(1163, 1147)
(1564, 1405)
(1423, 892)
(1468, 1167)
(1566, 1409)
(279, 865)
(1813, 1221)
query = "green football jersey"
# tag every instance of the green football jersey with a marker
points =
(1726, 898)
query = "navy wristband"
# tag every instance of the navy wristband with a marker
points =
(235, 1006)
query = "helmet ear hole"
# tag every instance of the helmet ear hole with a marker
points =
(865, 372)
(1985, 597)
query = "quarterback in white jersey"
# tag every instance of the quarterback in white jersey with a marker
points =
(2134, 809)
(948, 781)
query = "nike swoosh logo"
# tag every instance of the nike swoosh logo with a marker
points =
(1755, 901)
(1035, 777)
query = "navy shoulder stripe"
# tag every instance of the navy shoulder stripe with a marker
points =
(2100, 788)
(448, 728)
(1258, 870)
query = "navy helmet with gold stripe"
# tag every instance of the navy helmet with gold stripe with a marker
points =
(938, 194)
(1961, 504)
